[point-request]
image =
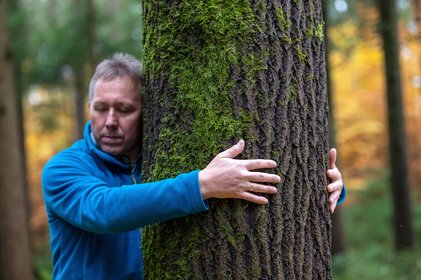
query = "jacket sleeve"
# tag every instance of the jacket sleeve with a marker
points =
(89, 203)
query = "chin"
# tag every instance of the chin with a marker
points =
(111, 150)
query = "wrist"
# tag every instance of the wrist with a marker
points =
(203, 184)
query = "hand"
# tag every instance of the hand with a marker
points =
(336, 184)
(226, 177)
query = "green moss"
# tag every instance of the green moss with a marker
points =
(310, 77)
(253, 273)
(294, 92)
(283, 21)
(300, 53)
(197, 46)
(254, 64)
(286, 40)
(309, 32)
(319, 31)
(316, 30)
(180, 268)
(234, 238)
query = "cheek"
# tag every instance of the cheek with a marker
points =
(97, 119)
(96, 126)
(132, 128)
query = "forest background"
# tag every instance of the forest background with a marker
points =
(56, 44)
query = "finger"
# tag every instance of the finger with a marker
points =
(333, 198)
(254, 198)
(334, 187)
(332, 158)
(333, 174)
(233, 151)
(332, 208)
(252, 164)
(262, 177)
(333, 201)
(259, 188)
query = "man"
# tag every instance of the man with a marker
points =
(94, 201)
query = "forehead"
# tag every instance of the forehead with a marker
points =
(119, 87)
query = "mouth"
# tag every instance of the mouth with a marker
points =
(111, 139)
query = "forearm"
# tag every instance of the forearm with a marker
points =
(93, 206)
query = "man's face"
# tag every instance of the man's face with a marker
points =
(116, 112)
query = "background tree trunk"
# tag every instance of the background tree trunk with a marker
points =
(80, 100)
(214, 73)
(84, 66)
(338, 235)
(416, 7)
(397, 136)
(14, 240)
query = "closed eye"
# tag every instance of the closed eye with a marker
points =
(100, 108)
(126, 109)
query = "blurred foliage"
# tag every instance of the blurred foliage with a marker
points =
(368, 224)
(42, 262)
(50, 38)
(359, 96)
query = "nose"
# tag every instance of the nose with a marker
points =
(111, 120)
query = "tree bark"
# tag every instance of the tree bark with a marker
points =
(397, 136)
(14, 231)
(214, 73)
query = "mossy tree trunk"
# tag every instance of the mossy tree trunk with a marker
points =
(217, 71)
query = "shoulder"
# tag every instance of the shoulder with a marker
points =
(77, 151)
(75, 157)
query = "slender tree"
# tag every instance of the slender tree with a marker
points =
(338, 235)
(217, 71)
(416, 8)
(14, 238)
(397, 136)
(83, 65)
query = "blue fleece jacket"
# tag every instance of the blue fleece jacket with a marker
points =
(95, 211)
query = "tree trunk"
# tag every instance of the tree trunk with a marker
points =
(397, 137)
(84, 66)
(338, 235)
(214, 73)
(80, 103)
(14, 240)
(416, 8)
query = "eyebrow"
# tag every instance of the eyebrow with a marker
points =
(116, 104)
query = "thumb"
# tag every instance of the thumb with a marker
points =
(233, 151)
(332, 158)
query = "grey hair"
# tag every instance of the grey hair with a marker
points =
(120, 65)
